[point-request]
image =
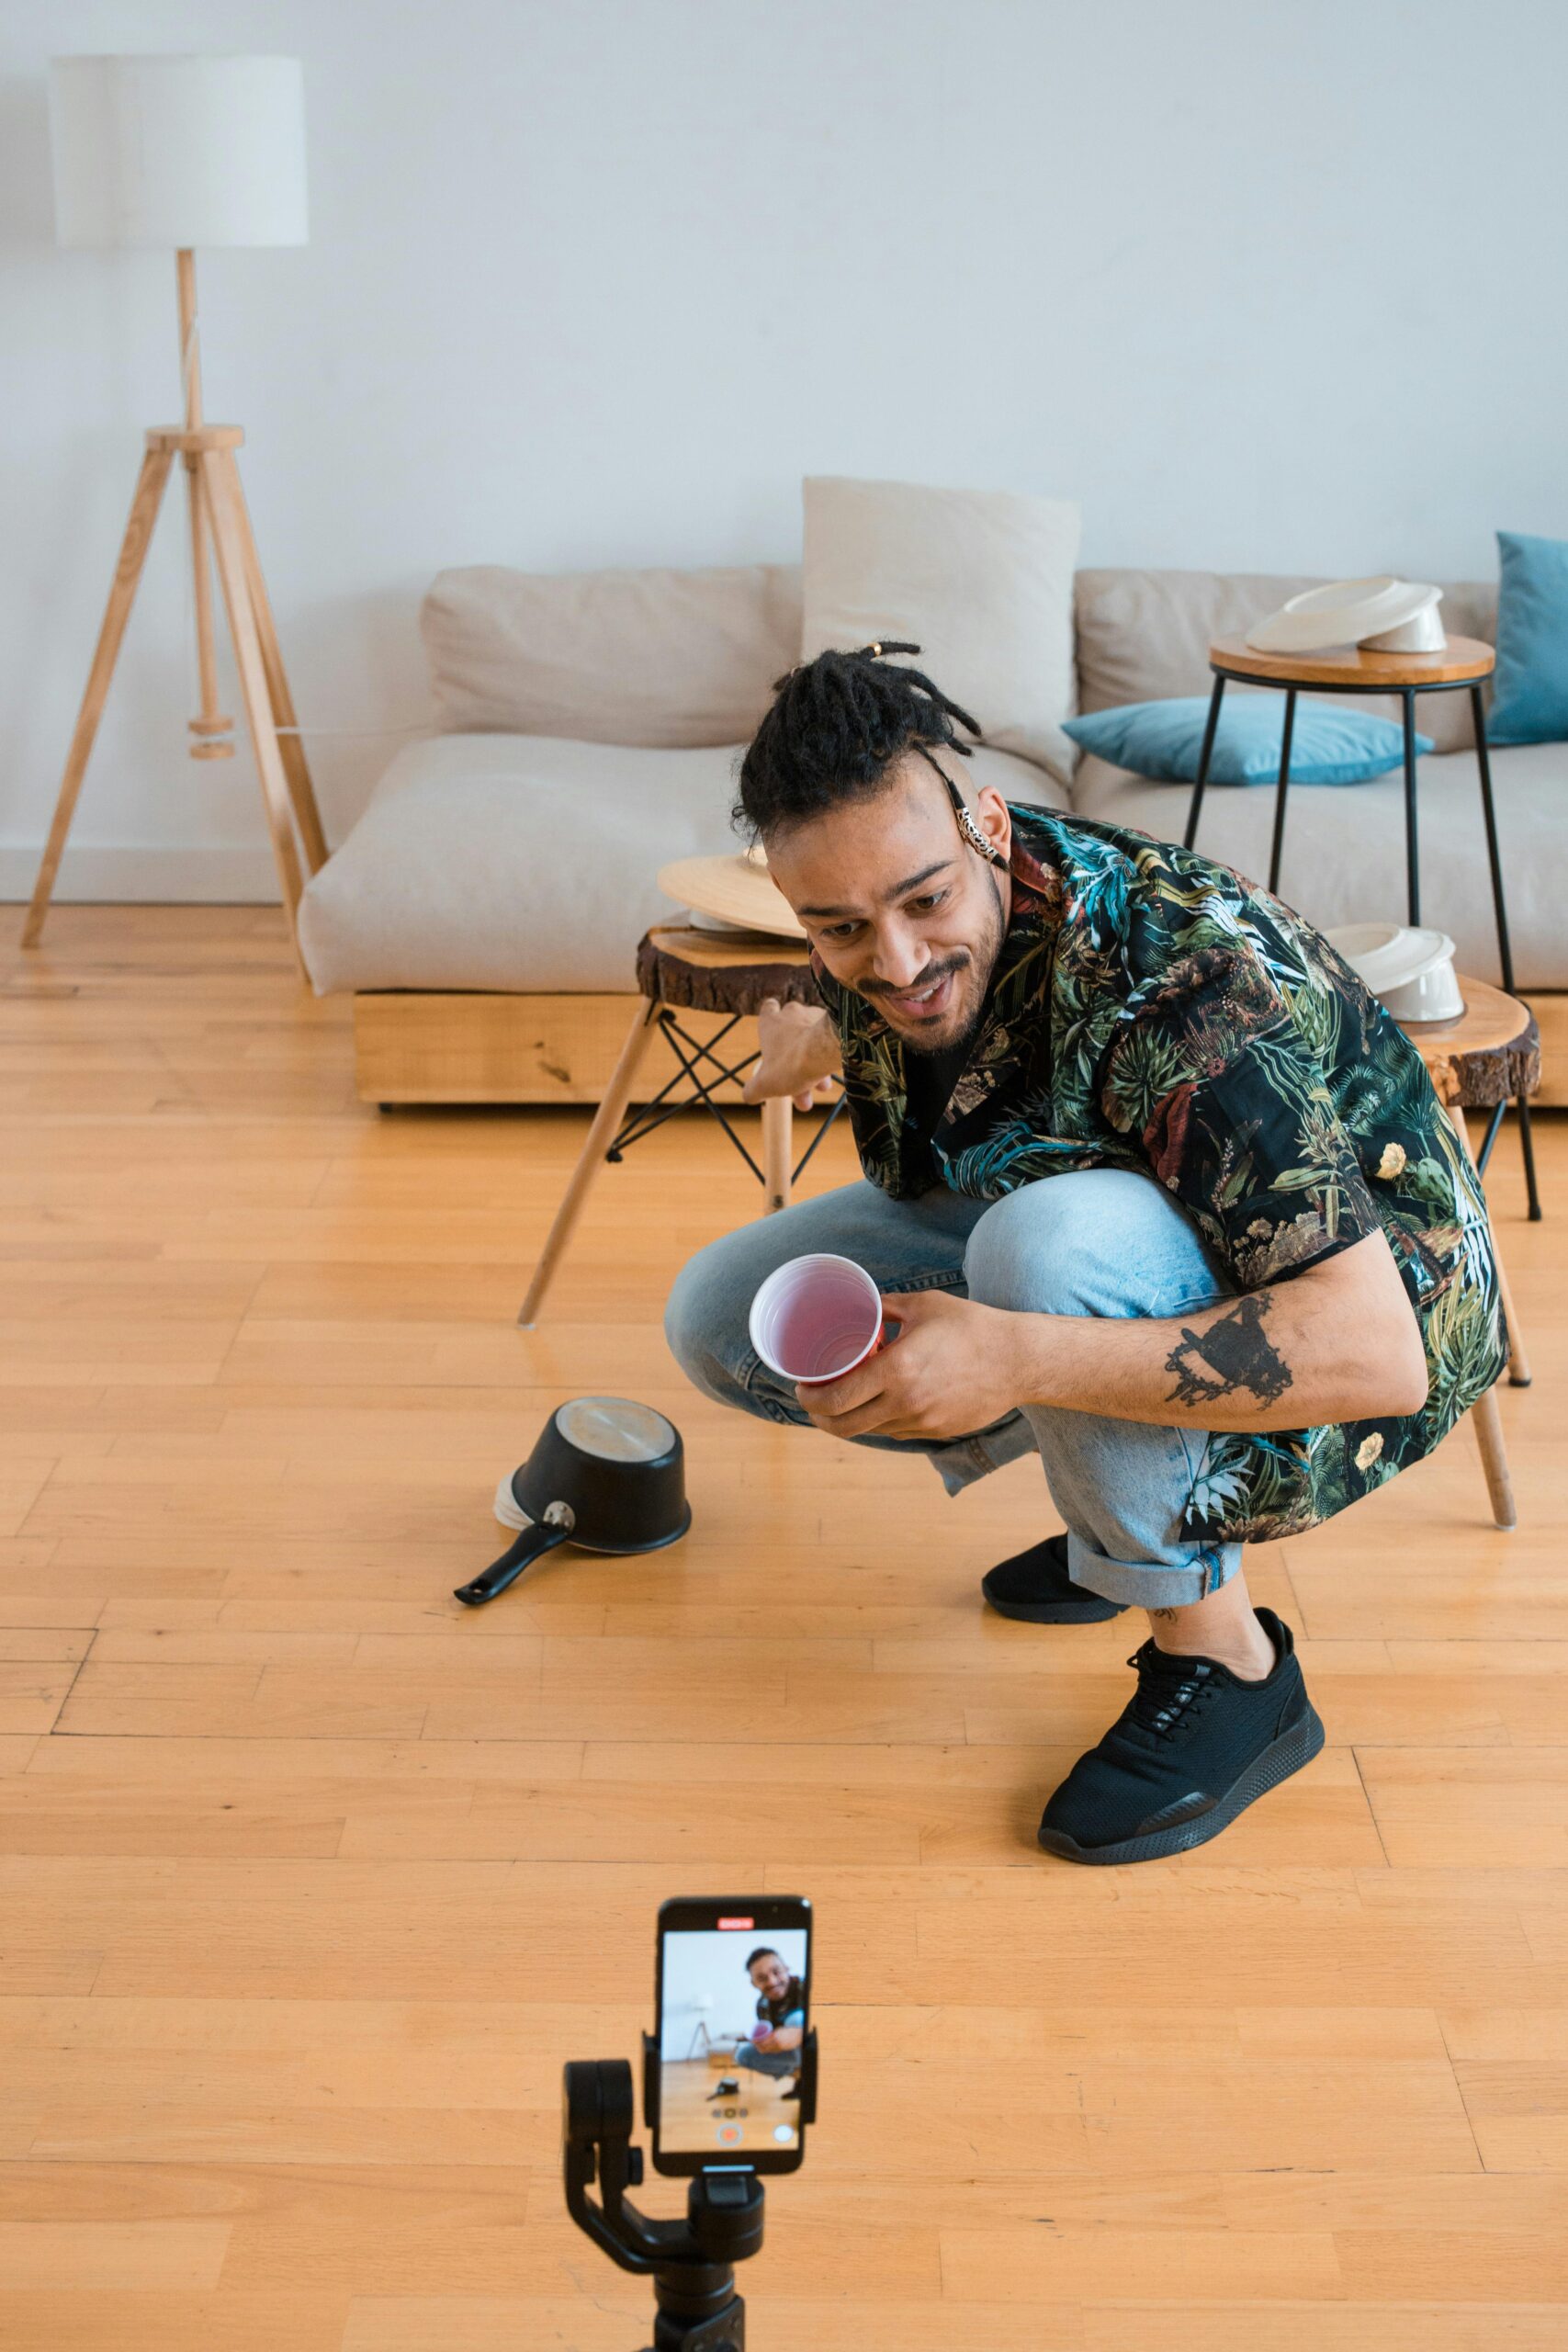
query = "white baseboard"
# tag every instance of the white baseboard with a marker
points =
(145, 876)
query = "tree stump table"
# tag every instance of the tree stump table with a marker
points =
(681, 968)
(1488, 1057)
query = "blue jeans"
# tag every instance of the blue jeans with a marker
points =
(767, 2062)
(1101, 1241)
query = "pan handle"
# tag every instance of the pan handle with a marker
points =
(542, 1536)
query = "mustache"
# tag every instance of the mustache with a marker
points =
(933, 972)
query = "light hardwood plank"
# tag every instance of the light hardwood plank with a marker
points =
(310, 1880)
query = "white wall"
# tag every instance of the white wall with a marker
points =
(595, 281)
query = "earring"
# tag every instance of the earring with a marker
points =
(975, 838)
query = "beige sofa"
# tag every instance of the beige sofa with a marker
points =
(485, 909)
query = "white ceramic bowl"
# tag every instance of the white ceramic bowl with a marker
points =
(1379, 611)
(1411, 971)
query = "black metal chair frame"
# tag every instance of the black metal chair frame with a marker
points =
(1291, 688)
(691, 1053)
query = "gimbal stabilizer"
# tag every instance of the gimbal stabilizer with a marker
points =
(691, 2262)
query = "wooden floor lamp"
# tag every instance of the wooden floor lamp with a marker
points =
(180, 152)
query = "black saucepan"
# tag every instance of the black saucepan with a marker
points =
(607, 1475)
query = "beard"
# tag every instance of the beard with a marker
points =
(982, 958)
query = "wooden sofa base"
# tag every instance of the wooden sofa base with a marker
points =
(482, 1046)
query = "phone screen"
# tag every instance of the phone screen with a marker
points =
(734, 1992)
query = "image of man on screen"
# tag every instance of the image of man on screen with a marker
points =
(775, 2044)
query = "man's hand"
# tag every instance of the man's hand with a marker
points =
(1339, 1341)
(799, 1053)
(951, 1370)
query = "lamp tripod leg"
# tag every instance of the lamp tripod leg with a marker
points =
(228, 538)
(122, 594)
(213, 727)
(296, 768)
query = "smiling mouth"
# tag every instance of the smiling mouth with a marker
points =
(924, 1004)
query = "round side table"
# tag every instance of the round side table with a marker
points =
(1460, 668)
(680, 968)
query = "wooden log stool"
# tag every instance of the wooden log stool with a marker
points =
(681, 968)
(1490, 1056)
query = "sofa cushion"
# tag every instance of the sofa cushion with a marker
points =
(663, 657)
(1145, 636)
(1531, 701)
(1344, 856)
(1164, 741)
(525, 861)
(981, 581)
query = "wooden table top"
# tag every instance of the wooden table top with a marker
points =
(722, 951)
(1354, 665)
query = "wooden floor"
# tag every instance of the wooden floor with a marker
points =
(754, 2115)
(310, 1880)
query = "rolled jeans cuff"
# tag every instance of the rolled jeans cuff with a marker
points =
(1151, 1584)
(964, 1459)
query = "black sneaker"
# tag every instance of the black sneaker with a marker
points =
(728, 2088)
(1035, 1585)
(1192, 1748)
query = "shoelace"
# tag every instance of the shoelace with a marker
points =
(1169, 1689)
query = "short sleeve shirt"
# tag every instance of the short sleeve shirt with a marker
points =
(788, 2010)
(1151, 1010)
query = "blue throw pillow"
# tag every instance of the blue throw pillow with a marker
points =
(1530, 685)
(1162, 741)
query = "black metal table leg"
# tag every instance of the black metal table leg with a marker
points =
(1412, 848)
(1526, 1145)
(1284, 785)
(1505, 950)
(1190, 835)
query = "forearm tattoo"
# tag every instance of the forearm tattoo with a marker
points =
(1233, 1354)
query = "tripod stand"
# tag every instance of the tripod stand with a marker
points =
(691, 2262)
(219, 518)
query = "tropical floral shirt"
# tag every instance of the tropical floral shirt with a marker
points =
(1150, 1010)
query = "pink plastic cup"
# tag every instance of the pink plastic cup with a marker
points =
(815, 1318)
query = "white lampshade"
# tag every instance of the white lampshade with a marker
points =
(179, 150)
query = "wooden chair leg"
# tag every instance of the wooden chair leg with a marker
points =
(122, 594)
(606, 1120)
(229, 547)
(1495, 1460)
(1519, 1375)
(296, 767)
(778, 1127)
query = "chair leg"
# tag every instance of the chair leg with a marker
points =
(1519, 1375)
(777, 1146)
(1495, 1460)
(606, 1120)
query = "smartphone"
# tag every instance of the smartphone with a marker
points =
(733, 2005)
